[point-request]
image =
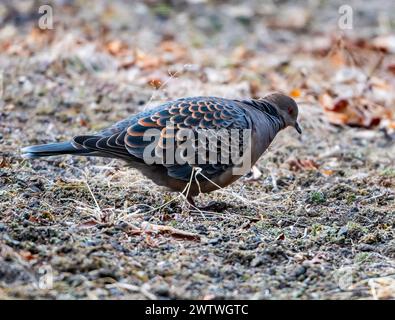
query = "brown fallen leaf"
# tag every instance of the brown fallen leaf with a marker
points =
(255, 174)
(150, 242)
(156, 79)
(156, 83)
(122, 51)
(117, 48)
(146, 61)
(240, 55)
(327, 172)
(337, 58)
(302, 164)
(27, 255)
(295, 93)
(326, 101)
(40, 36)
(281, 236)
(33, 219)
(340, 105)
(176, 233)
(4, 163)
(357, 111)
(174, 50)
(391, 68)
(385, 43)
(382, 288)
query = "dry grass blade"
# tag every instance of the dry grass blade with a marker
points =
(173, 232)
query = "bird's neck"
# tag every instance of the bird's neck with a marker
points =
(269, 110)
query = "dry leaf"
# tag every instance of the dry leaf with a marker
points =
(337, 59)
(145, 61)
(4, 163)
(240, 54)
(327, 172)
(33, 219)
(281, 237)
(339, 105)
(385, 42)
(156, 83)
(356, 112)
(40, 36)
(382, 288)
(156, 79)
(117, 48)
(27, 255)
(391, 68)
(326, 101)
(295, 93)
(300, 165)
(176, 50)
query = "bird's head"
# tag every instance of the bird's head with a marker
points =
(287, 107)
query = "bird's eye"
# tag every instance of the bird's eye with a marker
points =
(290, 110)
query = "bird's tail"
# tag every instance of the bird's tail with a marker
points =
(51, 149)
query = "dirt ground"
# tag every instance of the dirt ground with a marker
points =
(315, 222)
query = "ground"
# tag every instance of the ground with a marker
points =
(315, 221)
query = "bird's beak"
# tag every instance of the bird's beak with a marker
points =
(298, 128)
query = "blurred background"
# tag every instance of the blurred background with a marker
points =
(316, 218)
(132, 52)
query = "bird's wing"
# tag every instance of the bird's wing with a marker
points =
(157, 133)
(110, 141)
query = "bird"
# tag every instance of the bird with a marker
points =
(147, 139)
